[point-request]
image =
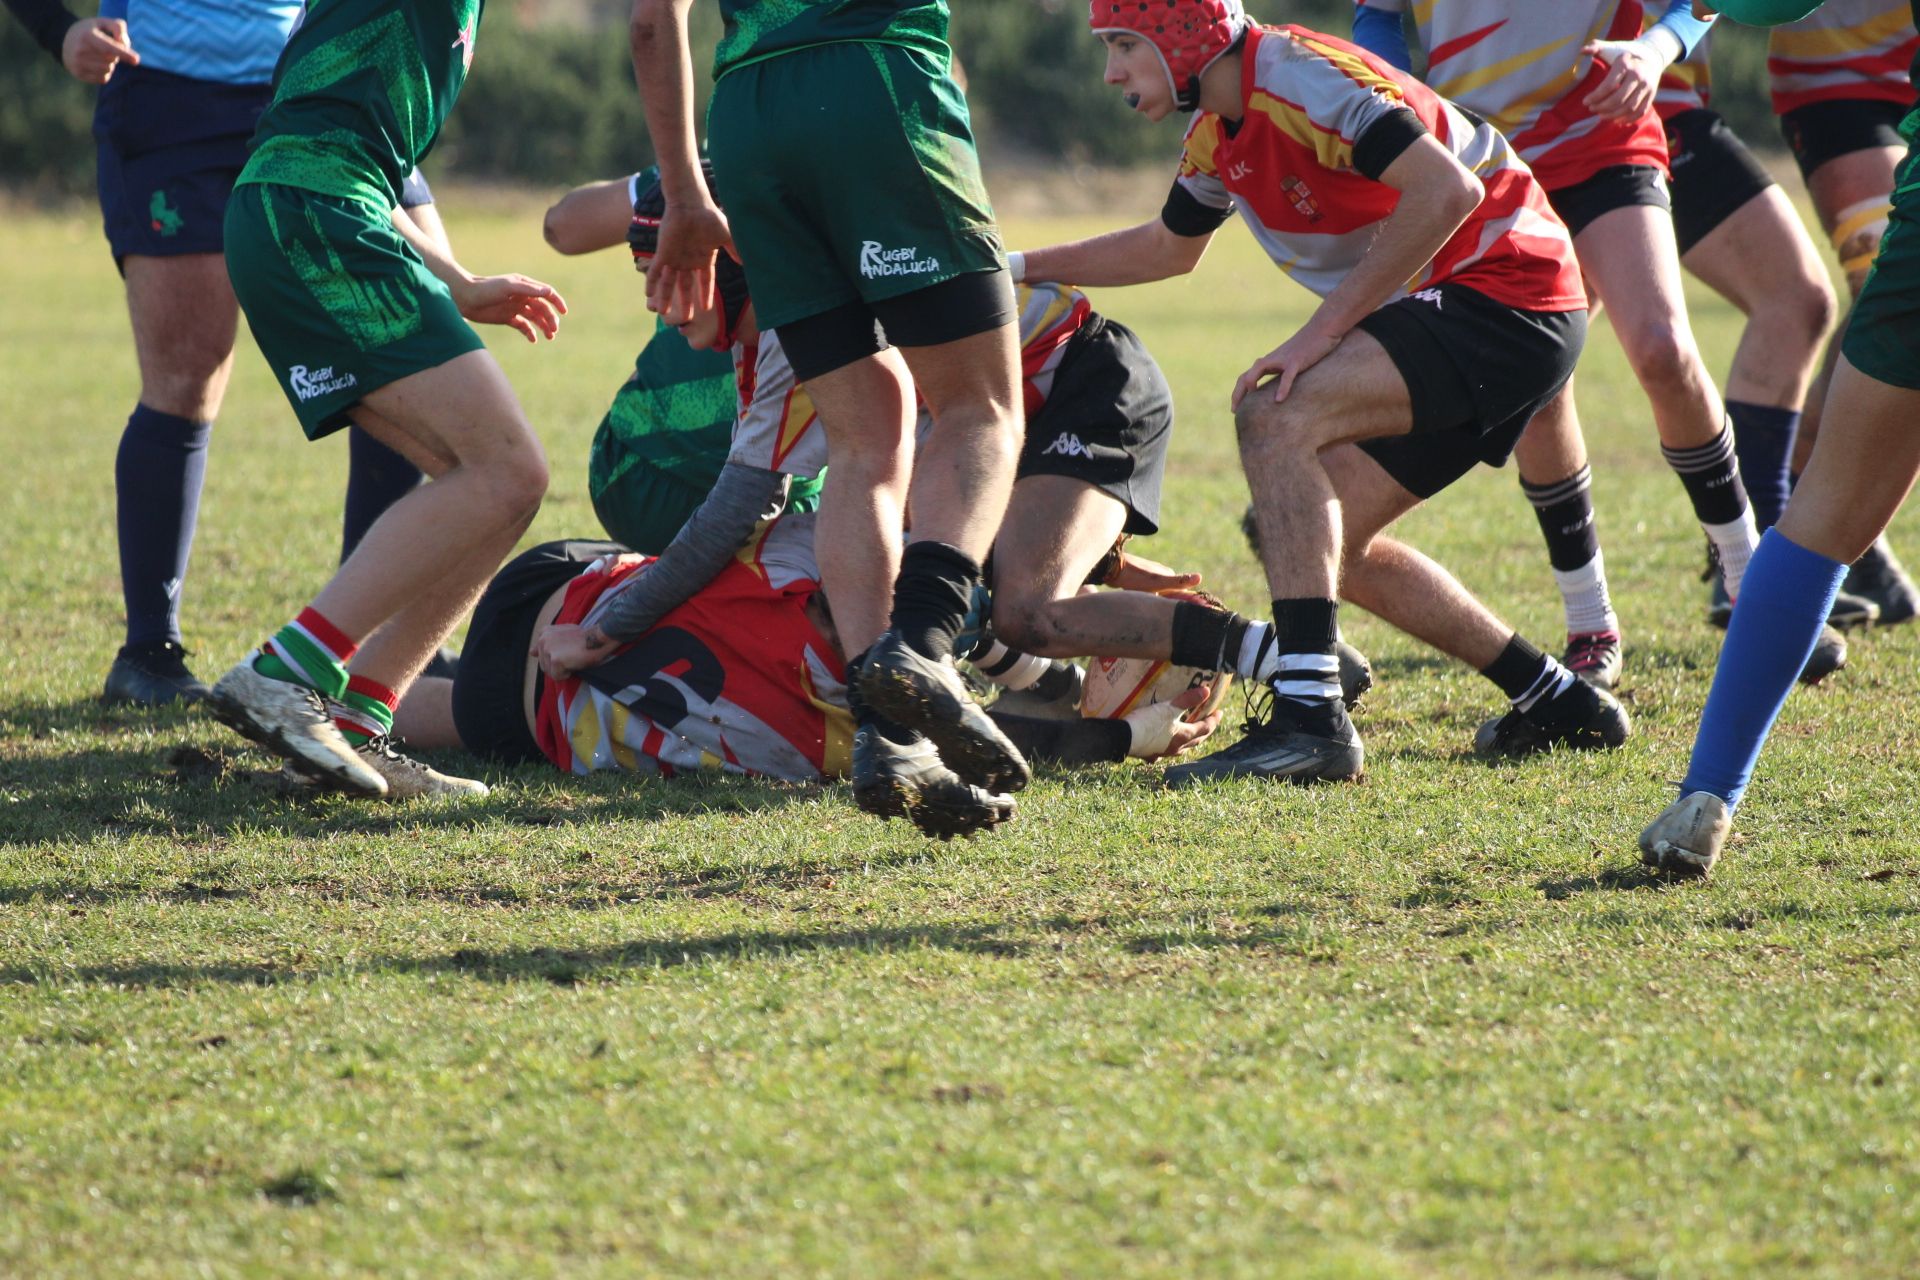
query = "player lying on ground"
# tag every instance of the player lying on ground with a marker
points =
(1862, 468)
(1360, 180)
(364, 320)
(748, 675)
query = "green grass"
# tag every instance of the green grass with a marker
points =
(1435, 1024)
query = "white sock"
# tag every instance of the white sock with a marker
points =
(1735, 541)
(1307, 677)
(1251, 663)
(1009, 668)
(1584, 593)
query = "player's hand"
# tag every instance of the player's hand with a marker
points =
(93, 47)
(680, 279)
(1633, 73)
(1285, 363)
(564, 650)
(519, 302)
(1137, 573)
(1162, 730)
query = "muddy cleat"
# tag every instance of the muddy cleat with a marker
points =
(1356, 673)
(1828, 656)
(292, 721)
(152, 675)
(1686, 839)
(407, 778)
(1280, 745)
(1878, 576)
(1581, 716)
(895, 781)
(1596, 657)
(918, 693)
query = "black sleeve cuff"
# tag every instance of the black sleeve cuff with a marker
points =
(1184, 215)
(1384, 140)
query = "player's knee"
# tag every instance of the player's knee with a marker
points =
(1024, 623)
(1806, 310)
(1262, 425)
(1662, 353)
(520, 481)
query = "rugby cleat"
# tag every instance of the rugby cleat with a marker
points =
(1828, 656)
(293, 722)
(1596, 657)
(1356, 673)
(920, 693)
(1279, 745)
(151, 675)
(1849, 610)
(895, 781)
(1686, 839)
(1878, 576)
(407, 778)
(1582, 716)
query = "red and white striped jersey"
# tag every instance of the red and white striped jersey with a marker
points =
(1307, 98)
(1518, 63)
(1844, 49)
(778, 430)
(1687, 85)
(736, 679)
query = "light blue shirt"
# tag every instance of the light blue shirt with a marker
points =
(232, 41)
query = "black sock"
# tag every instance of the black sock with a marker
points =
(1525, 674)
(931, 595)
(1206, 637)
(1305, 632)
(377, 477)
(1763, 441)
(1565, 512)
(1712, 478)
(157, 477)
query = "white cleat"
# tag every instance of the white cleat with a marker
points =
(292, 721)
(1686, 839)
(407, 778)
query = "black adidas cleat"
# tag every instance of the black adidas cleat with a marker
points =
(895, 781)
(151, 675)
(1280, 746)
(918, 693)
(1878, 576)
(1581, 717)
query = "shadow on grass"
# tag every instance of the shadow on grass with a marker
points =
(1621, 879)
(557, 965)
(141, 780)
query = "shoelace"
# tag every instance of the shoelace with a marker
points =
(388, 747)
(1589, 651)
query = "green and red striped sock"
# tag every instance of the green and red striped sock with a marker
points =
(365, 711)
(309, 651)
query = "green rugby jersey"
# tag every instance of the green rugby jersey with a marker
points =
(758, 29)
(360, 94)
(675, 414)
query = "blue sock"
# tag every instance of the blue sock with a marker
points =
(1783, 604)
(377, 477)
(157, 476)
(1763, 442)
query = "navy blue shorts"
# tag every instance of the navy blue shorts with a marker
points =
(169, 148)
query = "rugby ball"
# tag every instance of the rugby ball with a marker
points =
(1115, 686)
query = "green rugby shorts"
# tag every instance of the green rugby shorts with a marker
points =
(1883, 336)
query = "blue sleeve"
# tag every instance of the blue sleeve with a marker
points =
(1686, 28)
(1381, 34)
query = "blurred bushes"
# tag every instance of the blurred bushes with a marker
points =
(556, 104)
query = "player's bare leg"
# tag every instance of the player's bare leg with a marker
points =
(1057, 528)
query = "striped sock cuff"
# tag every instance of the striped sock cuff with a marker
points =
(316, 651)
(1546, 495)
(365, 710)
(1307, 677)
(1703, 457)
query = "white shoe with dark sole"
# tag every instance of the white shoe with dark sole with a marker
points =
(292, 721)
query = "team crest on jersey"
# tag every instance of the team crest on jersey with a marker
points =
(1301, 196)
(876, 260)
(309, 384)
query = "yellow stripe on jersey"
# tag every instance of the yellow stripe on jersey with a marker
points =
(1332, 150)
(1353, 66)
(794, 425)
(1202, 143)
(1461, 85)
(584, 736)
(1826, 42)
(836, 752)
(1056, 310)
(749, 553)
(618, 721)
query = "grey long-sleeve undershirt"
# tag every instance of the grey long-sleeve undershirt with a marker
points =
(719, 527)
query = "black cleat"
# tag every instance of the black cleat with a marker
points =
(1279, 745)
(1878, 576)
(918, 693)
(1581, 717)
(1850, 609)
(1356, 673)
(1828, 656)
(895, 781)
(444, 665)
(152, 675)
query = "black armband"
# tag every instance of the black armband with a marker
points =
(46, 21)
(1184, 215)
(1384, 140)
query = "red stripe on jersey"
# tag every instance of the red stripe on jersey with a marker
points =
(1461, 43)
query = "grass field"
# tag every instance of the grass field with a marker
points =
(1434, 1024)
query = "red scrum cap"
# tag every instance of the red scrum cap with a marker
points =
(1189, 35)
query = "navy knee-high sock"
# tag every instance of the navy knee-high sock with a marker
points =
(377, 477)
(1763, 442)
(157, 476)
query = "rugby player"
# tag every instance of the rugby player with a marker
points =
(845, 157)
(747, 675)
(181, 88)
(1862, 467)
(363, 319)
(1450, 311)
(1840, 88)
(1572, 85)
